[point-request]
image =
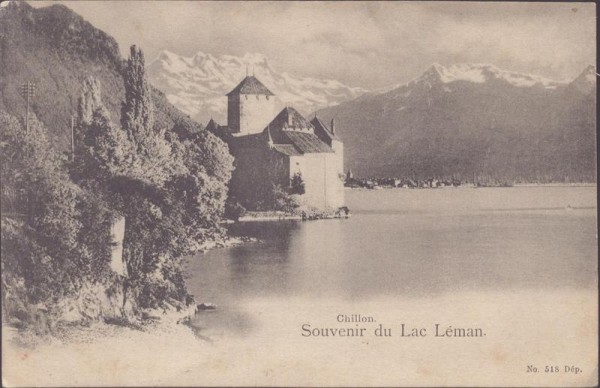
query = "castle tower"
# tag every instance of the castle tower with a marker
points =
(250, 107)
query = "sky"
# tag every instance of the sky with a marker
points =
(368, 44)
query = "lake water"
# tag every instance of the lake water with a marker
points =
(490, 257)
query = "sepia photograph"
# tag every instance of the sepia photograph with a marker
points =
(290, 193)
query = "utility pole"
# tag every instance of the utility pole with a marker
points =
(73, 121)
(28, 92)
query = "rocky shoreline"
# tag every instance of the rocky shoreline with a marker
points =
(172, 316)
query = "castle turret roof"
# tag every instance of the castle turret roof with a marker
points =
(212, 125)
(251, 85)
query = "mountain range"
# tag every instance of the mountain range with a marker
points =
(198, 84)
(473, 119)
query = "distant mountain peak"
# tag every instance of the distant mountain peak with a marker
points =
(471, 118)
(436, 69)
(166, 56)
(198, 84)
(586, 81)
(480, 73)
(433, 74)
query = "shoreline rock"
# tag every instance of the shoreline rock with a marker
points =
(226, 242)
(205, 306)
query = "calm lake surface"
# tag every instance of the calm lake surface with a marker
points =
(405, 243)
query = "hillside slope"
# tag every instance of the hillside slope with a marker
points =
(57, 49)
(473, 119)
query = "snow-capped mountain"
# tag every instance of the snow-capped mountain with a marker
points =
(198, 84)
(472, 119)
(481, 73)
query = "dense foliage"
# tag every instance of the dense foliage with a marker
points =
(53, 233)
(281, 199)
(171, 190)
(169, 183)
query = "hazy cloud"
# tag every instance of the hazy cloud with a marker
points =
(369, 44)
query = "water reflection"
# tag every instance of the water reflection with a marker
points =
(264, 265)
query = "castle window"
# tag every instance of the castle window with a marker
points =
(257, 97)
(245, 95)
(267, 97)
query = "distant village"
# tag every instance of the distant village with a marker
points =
(414, 183)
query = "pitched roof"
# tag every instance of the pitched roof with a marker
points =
(307, 143)
(289, 118)
(237, 144)
(286, 149)
(212, 125)
(322, 130)
(286, 129)
(251, 85)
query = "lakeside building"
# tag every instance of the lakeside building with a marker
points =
(279, 149)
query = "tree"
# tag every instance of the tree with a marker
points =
(297, 184)
(137, 116)
(102, 149)
(204, 189)
(153, 159)
(283, 201)
(207, 153)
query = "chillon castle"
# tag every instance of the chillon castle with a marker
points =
(303, 157)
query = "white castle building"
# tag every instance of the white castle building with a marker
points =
(274, 148)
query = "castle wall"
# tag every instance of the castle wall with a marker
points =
(338, 147)
(250, 113)
(257, 168)
(322, 184)
(335, 185)
(233, 113)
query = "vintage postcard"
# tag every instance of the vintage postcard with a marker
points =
(287, 193)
